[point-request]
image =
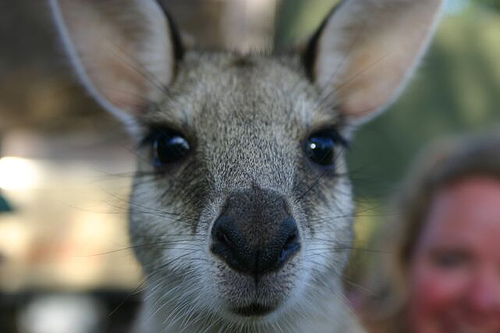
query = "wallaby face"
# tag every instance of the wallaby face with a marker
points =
(239, 217)
(241, 210)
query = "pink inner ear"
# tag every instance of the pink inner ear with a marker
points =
(378, 72)
(125, 84)
(113, 68)
(376, 84)
(122, 54)
(125, 101)
(369, 48)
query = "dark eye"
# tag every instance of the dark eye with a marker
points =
(320, 147)
(450, 259)
(168, 147)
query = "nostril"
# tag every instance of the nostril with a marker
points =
(286, 252)
(289, 247)
(223, 238)
(291, 239)
(230, 245)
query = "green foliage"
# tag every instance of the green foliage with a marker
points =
(298, 18)
(492, 4)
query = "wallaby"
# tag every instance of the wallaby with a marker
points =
(241, 211)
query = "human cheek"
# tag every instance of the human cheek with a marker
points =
(434, 292)
(436, 286)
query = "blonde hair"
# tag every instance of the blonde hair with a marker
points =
(440, 165)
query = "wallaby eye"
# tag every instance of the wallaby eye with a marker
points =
(168, 147)
(320, 147)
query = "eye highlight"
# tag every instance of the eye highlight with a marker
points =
(167, 147)
(320, 147)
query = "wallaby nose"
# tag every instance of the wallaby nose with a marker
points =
(230, 245)
(255, 240)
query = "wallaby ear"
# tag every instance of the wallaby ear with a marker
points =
(124, 51)
(365, 51)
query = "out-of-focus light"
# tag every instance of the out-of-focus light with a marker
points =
(62, 314)
(18, 173)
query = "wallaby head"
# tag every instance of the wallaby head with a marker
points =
(241, 210)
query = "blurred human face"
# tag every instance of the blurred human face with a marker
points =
(455, 270)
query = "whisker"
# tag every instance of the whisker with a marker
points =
(122, 55)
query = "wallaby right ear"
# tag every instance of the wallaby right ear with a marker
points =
(124, 51)
(366, 50)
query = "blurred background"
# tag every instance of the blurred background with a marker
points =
(66, 165)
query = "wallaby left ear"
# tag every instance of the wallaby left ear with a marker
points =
(365, 51)
(123, 51)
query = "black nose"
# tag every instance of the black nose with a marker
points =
(255, 240)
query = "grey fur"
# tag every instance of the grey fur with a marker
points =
(249, 124)
(246, 118)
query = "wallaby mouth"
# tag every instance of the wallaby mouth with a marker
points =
(254, 310)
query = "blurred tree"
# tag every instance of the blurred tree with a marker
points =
(492, 4)
(298, 18)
